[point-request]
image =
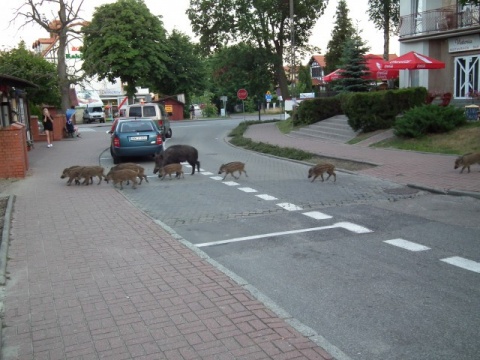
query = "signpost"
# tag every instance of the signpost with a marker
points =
(242, 94)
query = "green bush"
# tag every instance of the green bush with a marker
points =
(377, 110)
(428, 119)
(313, 110)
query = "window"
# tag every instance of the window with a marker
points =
(135, 111)
(149, 111)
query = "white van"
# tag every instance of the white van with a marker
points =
(152, 111)
(93, 112)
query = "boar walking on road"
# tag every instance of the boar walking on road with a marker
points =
(466, 160)
(319, 169)
(120, 176)
(131, 166)
(172, 169)
(177, 154)
(89, 172)
(231, 167)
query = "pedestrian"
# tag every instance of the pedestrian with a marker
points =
(192, 112)
(48, 126)
(69, 126)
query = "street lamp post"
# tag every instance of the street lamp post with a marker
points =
(292, 43)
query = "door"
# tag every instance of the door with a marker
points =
(467, 78)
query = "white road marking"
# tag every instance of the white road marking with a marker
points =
(266, 197)
(408, 245)
(317, 215)
(289, 207)
(230, 183)
(345, 225)
(247, 190)
(216, 177)
(206, 173)
(463, 263)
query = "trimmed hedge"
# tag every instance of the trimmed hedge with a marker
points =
(376, 110)
(313, 110)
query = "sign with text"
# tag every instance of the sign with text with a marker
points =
(242, 94)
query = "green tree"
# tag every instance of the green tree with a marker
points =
(466, 2)
(124, 40)
(186, 69)
(65, 24)
(24, 64)
(354, 67)
(242, 66)
(304, 80)
(342, 30)
(385, 14)
(264, 23)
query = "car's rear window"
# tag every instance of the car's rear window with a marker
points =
(135, 112)
(136, 126)
(149, 111)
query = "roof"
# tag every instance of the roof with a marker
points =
(16, 82)
(320, 59)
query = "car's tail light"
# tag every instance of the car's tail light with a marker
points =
(159, 139)
(116, 141)
(160, 122)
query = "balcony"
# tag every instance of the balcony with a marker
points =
(438, 21)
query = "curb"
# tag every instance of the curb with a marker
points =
(5, 239)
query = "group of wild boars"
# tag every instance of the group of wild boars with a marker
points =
(87, 173)
(231, 167)
(319, 169)
(172, 169)
(130, 166)
(466, 160)
(176, 154)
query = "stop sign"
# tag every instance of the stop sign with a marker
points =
(242, 94)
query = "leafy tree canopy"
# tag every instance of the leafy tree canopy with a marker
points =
(124, 40)
(26, 65)
(186, 70)
(385, 14)
(262, 23)
(342, 30)
(242, 66)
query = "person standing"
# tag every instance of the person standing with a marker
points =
(70, 125)
(48, 126)
(192, 112)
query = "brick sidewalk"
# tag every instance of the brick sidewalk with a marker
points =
(90, 276)
(432, 171)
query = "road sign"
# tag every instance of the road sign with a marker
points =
(242, 94)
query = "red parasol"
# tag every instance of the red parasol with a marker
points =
(413, 61)
(335, 75)
(375, 68)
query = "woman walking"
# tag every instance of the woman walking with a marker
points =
(48, 126)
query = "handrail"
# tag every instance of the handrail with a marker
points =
(439, 20)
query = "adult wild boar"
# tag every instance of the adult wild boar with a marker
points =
(177, 154)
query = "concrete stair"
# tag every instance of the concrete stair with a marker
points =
(333, 129)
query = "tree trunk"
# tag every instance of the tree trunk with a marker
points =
(62, 63)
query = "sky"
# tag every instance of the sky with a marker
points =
(174, 17)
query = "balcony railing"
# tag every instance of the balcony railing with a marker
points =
(439, 20)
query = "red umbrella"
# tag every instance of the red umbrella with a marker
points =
(375, 68)
(335, 75)
(413, 61)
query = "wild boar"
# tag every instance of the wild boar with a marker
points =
(170, 169)
(71, 172)
(88, 172)
(466, 160)
(177, 154)
(120, 176)
(132, 166)
(319, 169)
(231, 167)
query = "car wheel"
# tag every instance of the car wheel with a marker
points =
(169, 133)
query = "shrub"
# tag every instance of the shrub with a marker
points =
(313, 110)
(428, 119)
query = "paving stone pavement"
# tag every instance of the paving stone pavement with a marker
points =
(90, 276)
(430, 171)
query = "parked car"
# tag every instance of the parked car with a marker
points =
(135, 137)
(95, 113)
(153, 111)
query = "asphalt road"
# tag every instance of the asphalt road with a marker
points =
(377, 270)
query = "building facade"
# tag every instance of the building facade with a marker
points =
(446, 31)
